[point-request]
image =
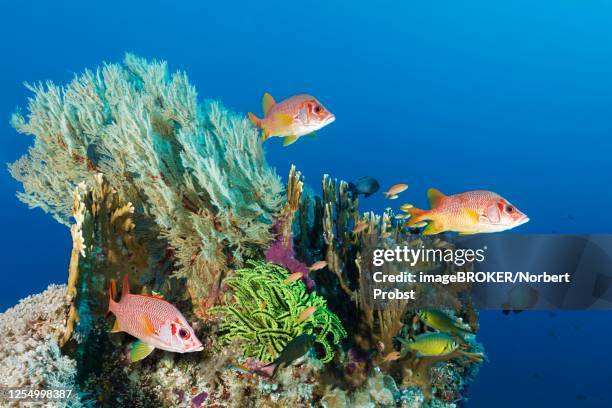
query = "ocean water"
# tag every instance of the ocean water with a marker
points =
(514, 97)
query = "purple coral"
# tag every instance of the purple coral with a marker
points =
(199, 399)
(283, 255)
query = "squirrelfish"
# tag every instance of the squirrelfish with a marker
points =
(292, 118)
(472, 212)
(395, 190)
(153, 321)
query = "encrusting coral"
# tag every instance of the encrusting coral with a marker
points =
(264, 313)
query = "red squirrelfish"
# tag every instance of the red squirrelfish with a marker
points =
(153, 321)
(472, 212)
(294, 117)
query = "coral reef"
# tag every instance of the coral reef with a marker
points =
(379, 391)
(177, 194)
(264, 313)
(374, 327)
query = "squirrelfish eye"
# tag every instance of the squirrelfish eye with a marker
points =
(183, 333)
(509, 208)
(317, 109)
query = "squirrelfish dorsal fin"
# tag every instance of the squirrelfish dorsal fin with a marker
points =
(113, 289)
(434, 196)
(125, 288)
(267, 102)
(140, 350)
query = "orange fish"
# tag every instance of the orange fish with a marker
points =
(395, 190)
(317, 265)
(392, 356)
(360, 226)
(309, 311)
(292, 118)
(153, 321)
(293, 277)
(472, 212)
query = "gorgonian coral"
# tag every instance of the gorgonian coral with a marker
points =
(195, 173)
(264, 313)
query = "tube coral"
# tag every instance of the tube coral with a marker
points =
(265, 313)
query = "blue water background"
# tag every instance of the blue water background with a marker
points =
(515, 97)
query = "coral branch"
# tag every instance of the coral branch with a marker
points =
(294, 193)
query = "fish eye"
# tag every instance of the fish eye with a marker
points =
(182, 333)
(509, 208)
(317, 109)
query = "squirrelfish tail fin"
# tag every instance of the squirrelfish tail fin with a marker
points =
(416, 215)
(125, 287)
(254, 120)
(112, 289)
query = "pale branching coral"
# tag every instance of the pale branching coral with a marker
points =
(195, 174)
(29, 351)
(264, 313)
(35, 321)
